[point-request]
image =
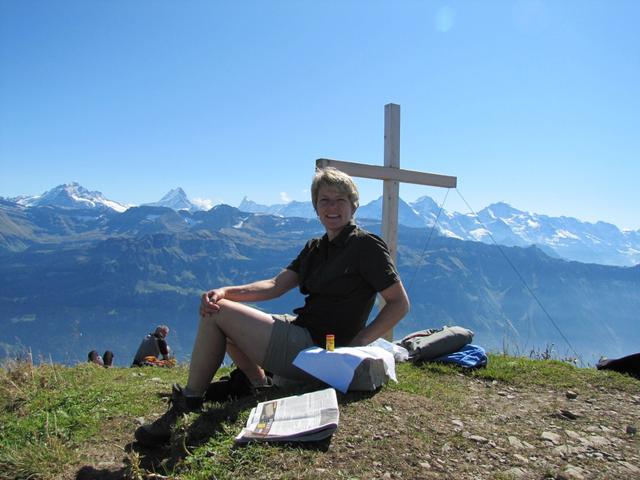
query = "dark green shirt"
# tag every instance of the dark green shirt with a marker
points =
(340, 279)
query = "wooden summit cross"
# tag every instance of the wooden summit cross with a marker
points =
(391, 175)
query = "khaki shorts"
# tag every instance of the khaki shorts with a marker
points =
(286, 342)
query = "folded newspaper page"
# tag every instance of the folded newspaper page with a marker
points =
(300, 418)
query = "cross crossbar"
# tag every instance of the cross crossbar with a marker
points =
(389, 173)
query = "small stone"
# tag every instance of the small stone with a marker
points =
(515, 442)
(572, 434)
(478, 439)
(550, 437)
(573, 473)
(520, 458)
(571, 395)
(631, 430)
(567, 414)
(457, 423)
(425, 465)
(139, 420)
(629, 466)
(388, 408)
(568, 450)
(516, 472)
(596, 441)
(386, 475)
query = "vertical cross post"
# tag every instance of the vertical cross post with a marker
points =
(391, 188)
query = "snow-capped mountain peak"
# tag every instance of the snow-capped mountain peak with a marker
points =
(500, 210)
(71, 195)
(176, 199)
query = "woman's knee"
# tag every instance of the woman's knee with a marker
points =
(226, 307)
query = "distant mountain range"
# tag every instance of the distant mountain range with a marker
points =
(70, 195)
(83, 277)
(562, 237)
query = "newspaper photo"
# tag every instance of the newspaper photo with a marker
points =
(300, 418)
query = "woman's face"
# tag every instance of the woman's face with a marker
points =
(334, 210)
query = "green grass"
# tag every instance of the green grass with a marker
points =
(551, 373)
(442, 383)
(49, 414)
(514, 371)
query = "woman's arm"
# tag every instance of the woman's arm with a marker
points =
(251, 292)
(395, 308)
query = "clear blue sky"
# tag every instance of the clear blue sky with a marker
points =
(535, 103)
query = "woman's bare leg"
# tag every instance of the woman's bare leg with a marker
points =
(247, 328)
(251, 369)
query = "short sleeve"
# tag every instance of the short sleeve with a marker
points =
(375, 263)
(294, 266)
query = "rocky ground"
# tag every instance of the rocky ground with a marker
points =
(498, 431)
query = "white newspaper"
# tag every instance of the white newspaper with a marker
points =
(300, 418)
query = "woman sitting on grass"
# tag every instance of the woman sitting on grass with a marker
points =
(339, 274)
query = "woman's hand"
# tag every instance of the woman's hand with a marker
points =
(209, 303)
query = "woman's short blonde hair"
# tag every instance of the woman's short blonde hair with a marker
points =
(332, 177)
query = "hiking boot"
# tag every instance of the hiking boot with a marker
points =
(159, 431)
(235, 385)
(218, 391)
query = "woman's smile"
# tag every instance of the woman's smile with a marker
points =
(334, 210)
